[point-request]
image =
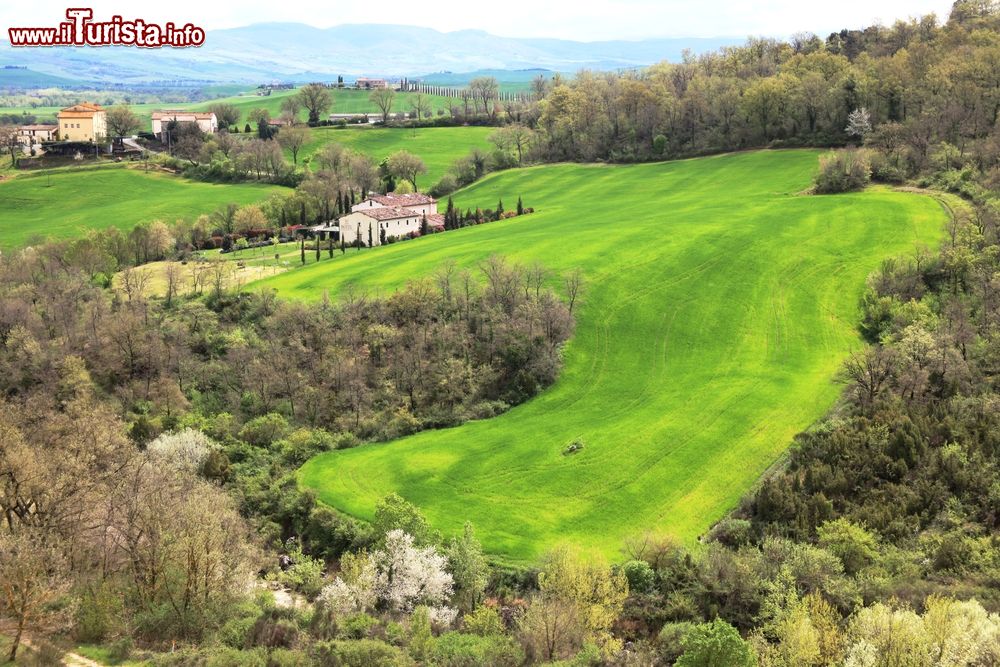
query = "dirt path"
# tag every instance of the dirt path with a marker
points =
(69, 659)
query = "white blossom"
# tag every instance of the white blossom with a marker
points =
(357, 593)
(859, 123)
(408, 576)
(442, 618)
(186, 450)
(398, 577)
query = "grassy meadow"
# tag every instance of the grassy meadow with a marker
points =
(718, 306)
(66, 202)
(438, 147)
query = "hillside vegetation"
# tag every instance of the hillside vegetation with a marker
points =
(703, 345)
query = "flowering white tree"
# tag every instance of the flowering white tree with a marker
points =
(186, 450)
(354, 589)
(859, 123)
(397, 577)
(408, 576)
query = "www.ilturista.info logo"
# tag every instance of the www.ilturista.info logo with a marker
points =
(80, 30)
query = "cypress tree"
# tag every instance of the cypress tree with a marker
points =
(357, 239)
(381, 236)
(499, 213)
(423, 225)
(316, 238)
(520, 207)
(302, 248)
(370, 238)
(329, 240)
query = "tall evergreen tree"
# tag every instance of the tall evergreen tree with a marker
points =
(499, 211)
(302, 248)
(520, 207)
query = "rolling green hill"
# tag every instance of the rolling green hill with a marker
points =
(438, 147)
(67, 202)
(718, 307)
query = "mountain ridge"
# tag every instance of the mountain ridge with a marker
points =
(290, 51)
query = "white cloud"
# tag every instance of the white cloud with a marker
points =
(620, 19)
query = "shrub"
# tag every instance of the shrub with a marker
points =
(670, 639)
(264, 430)
(641, 578)
(356, 626)
(456, 649)
(305, 575)
(843, 171)
(659, 144)
(484, 621)
(361, 653)
(283, 657)
(445, 186)
(715, 643)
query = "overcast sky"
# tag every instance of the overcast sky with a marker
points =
(583, 20)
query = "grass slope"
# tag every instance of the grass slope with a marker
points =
(66, 202)
(719, 306)
(438, 147)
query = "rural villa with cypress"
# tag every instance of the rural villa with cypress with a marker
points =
(379, 218)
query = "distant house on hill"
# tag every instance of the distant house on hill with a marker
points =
(365, 117)
(371, 225)
(415, 202)
(82, 122)
(29, 135)
(364, 83)
(205, 120)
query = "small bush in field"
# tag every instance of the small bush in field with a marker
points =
(843, 171)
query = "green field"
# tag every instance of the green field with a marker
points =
(344, 101)
(719, 306)
(68, 202)
(438, 147)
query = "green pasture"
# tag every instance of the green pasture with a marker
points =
(719, 304)
(67, 202)
(438, 147)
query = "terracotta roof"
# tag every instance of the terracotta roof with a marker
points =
(51, 128)
(388, 213)
(435, 220)
(411, 199)
(84, 110)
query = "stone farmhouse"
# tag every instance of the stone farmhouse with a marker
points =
(32, 135)
(206, 121)
(386, 216)
(365, 83)
(82, 122)
(415, 201)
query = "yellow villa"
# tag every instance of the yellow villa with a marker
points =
(82, 122)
